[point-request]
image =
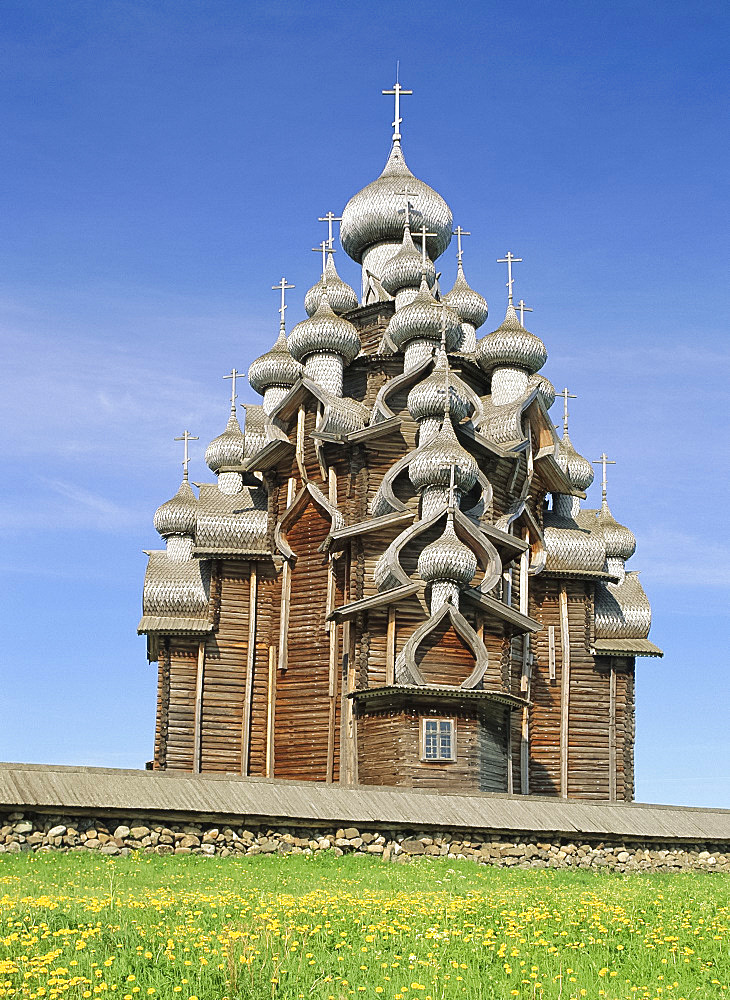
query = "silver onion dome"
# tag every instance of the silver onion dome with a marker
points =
(620, 541)
(324, 331)
(275, 368)
(432, 464)
(342, 297)
(511, 345)
(578, 469)
(405, 269)
(447, 558)
(375, 214)
(428, 398)
(422, 319)
(227, 448)
(469, 305)
(544, 387)
(178, 515)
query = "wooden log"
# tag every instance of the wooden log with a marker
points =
(197, 722)
(564, 690)
(390, 648)
(612, 735)
(270, 702)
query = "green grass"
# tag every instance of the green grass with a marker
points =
(82, 925)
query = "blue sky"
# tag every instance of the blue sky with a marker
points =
(165, 163)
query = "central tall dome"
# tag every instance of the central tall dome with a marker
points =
(394, 545)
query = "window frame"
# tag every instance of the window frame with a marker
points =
(438, 719)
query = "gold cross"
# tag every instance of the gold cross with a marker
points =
(509, 259)
(329, 218)
(186, 436)
(523, 309)
(233, 376)
(604, 461)
(282, 308)
(397, 92)
(458, 233)
(566, 396)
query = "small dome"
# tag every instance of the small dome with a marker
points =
(227, 448)
(578, 469)
(177, 516)
(375, 214)
(324, 331)
(544, 386)
(405, 269)
(469, 305)
(421, 319)
(427, 398)
(341, 297)
(432, 464)
(275, 368)
(511, 345)
(447, 559)
(620, 541)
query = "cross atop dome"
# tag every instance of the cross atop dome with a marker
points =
(424, 236)
(407, 193)
(509, 259)
(329, 218)
(282, 286)
(397, 92)
(523, 309)
(324, 248)
(186, 436)
(458, 233)
(233, 376)
(566, 396)
(603, 461)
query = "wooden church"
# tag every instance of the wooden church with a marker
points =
(392, 580)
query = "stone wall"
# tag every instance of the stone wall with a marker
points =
(28, 831)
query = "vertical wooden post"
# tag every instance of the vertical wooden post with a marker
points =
(564, 690)
(198, 719)
(525, 676)
(390, 647)
(299, 452)
(285, 593)
(510, 775)
(250, 665)
(270, 702)
(612, 734)
(347, 673)
(332, 678)
(551, 651)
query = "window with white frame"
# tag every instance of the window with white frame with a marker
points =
(438, 739)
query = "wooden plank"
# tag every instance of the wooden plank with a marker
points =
(250, 665)
(390, 648)
(551, 652)
(612, 735)
(198, 706)
(270, 702)
(564, 690)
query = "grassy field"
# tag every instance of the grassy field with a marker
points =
(78, 925)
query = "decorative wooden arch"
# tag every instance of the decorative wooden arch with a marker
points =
(309, 493)
(406, 668)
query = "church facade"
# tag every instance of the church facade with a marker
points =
(392, 579)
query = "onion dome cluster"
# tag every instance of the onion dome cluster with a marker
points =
(431, 465)
(578, 469)
(469, 305)
(375, 214)
(228, 448)
(341, 296)
(427, 399)
(447, 558)
(178, 515)
(544, 387)
(421, 319)
(619, 540)
(275, 368)
(406, 268)
(511, 345)
(324, 331)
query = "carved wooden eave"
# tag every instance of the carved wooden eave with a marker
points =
(492, 608)
(270, 456)
(406, 668)
(381, 411)
(396, 695)
(374, 432)
(468, 432)
(395, 520)
(382, 600)
(625, 647)
(470, 534)
(309, 493)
